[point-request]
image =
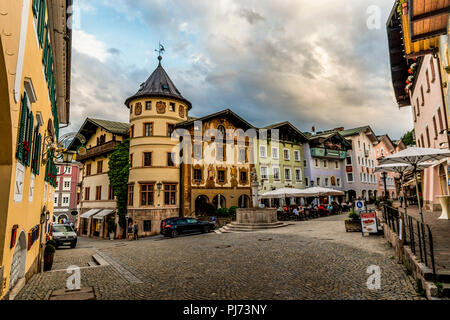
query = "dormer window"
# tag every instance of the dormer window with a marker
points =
(165, 86)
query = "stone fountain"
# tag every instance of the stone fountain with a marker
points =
(256, 218)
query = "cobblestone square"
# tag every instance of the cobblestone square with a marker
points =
(307, 260)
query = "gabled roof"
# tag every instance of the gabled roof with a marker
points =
(329, 134)
(357, 131)
(289, 126)
(160, 85)
(387, 140)
(90, 126)
(120, 128)
(224, 113)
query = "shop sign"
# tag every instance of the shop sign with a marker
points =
(368, 222)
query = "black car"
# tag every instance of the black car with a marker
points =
(174, 226)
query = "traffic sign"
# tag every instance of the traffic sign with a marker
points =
(359, 204)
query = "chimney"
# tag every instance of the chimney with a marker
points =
(339, 129)
(313, 129)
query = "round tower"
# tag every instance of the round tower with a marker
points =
(154, 182)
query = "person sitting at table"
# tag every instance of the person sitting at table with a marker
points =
(330, 208)
(296, 212)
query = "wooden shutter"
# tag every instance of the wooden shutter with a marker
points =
(36, 7)
(22, 127)
(29, 137)
(46, 48)
(38, 153)
(41, 23)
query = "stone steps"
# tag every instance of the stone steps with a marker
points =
(245, 227)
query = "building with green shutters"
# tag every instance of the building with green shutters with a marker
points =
(280, 160)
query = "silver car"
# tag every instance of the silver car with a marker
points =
(64, 235)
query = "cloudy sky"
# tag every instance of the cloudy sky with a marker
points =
(314, 63)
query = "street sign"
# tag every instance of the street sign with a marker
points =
(359, 204)
(369, 222)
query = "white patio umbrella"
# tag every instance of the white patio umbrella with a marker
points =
(319, 192)
(414, 156)
(400, 168)
(280, 193)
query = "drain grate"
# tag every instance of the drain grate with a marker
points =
(223, 246)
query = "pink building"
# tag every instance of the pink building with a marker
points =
(384, 148)
(66, 192)
(431, 125)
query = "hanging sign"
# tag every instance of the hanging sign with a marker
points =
(369, 222)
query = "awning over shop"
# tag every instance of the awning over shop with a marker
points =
(103, 213)
(409, 183)
(89, 213)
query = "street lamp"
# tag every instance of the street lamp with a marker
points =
(67, 156)
(385, 186)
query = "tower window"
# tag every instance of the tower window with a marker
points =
(170, 129)
(172, 107)
(147, 159)
(148, 105)
(148, 129)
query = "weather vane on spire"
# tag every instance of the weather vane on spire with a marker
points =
(160, 51)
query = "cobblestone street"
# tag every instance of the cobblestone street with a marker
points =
(307, 260)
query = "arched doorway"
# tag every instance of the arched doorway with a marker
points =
(18, 261)
(351, 194)
(244, 201)
(370, 195)
(443, 180)
(61, 217)
(364, 194)
(219, 201)
(375, 194)
(201, 205)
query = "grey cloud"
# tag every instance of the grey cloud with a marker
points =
(251, 16)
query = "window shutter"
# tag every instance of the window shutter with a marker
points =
(38, 158)
(22, 127)
(29, 138)
(36, 7)
(41, 24)
(46, 48)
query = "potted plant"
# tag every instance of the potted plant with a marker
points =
(49, 253)
(353, 222)
(111, 229)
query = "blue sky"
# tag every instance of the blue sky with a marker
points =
(313, 63)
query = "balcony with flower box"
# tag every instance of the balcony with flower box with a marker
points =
(328, 153)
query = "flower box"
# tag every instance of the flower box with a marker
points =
(352, 225)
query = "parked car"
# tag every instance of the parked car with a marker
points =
(174, 226)
(64, 235)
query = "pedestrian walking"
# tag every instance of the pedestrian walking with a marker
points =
(135, 229)
(401, 199)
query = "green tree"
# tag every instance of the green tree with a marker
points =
(119, 169)
(408, 138)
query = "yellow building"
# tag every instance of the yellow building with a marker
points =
(217, 173)
(35, 50)
(154, 180)
(97, 202)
